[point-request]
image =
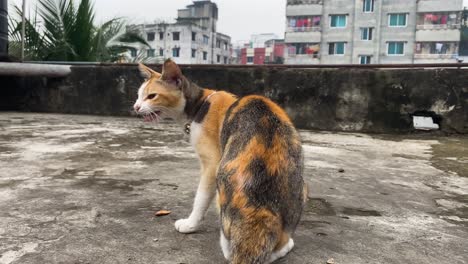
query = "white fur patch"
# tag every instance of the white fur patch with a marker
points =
(141, 90)
(195, 133)
(225, 246)
(200, 205)
(282, 252)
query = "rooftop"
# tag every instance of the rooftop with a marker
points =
(84, 189)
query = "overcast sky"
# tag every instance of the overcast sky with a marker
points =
(237, 18)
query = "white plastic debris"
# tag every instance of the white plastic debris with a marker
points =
(424, 123)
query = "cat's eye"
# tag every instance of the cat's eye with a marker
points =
(151, 96)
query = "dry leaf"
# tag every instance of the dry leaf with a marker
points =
(162, 213)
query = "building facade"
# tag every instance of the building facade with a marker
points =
(270, 52)
(372, 31)
(193, 39)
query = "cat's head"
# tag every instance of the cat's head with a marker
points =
(161, 95)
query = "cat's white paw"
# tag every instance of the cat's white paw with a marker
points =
(186, 226)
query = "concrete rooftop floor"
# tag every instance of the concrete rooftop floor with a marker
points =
(84, 189)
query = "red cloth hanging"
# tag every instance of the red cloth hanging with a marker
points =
(443, 19)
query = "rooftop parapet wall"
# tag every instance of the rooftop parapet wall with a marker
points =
(361, 100)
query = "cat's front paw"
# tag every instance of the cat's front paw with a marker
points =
(186, 226)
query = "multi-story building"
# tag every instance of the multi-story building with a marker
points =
(372, 31)
(270, 52)
(193, 39)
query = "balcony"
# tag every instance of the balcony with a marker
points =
(304, 56)
(305, 9)
(440, 6)
(447, 35)
(303, 36)
(438, 27)
(303, 29)
(305, 2)
(435, 56)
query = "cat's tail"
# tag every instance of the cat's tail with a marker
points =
(254, 239)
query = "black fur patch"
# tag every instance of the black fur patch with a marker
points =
(263, 189)
(193, 97)
(202, 111)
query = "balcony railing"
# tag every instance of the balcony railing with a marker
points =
(438, 27)
(312, 56)
(305, 2)
(435, 56)
(304, 29)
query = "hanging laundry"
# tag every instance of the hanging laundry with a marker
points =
(292, 22)
(316, 20)
(439, 47)
(443, 20)
(428, 17)
(418, 47)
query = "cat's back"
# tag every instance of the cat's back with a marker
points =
(262, 162)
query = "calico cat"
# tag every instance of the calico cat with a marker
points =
(251, 158)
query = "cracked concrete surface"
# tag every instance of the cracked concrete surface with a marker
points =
(84, 189)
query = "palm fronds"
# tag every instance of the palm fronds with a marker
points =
(64, 32)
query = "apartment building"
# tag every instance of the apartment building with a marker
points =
(372, 31)
(192, 39)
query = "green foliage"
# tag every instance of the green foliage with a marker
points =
(60, 31)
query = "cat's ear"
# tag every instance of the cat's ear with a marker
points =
(171, 73)
(148, 73)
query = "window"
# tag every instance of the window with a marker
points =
(150, 53)
(336, 48)
(175, 52)
(397, 20)
(218, 58)
(194, 53)
(194, 36)
(150, 36)
(225, 60)
(205, 55)
(368, 6)
(206, 39)
(365, 59)
(396, 48)
(366, 33)
(176, 36)
(250, 59)
(161, 35)
(161, 52)
(133, 53)
(338, 21)
(225, 46)
(218, 43)
(304, 49)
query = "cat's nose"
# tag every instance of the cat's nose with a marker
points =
(136, 107)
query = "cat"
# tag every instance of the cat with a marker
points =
(251, 159)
